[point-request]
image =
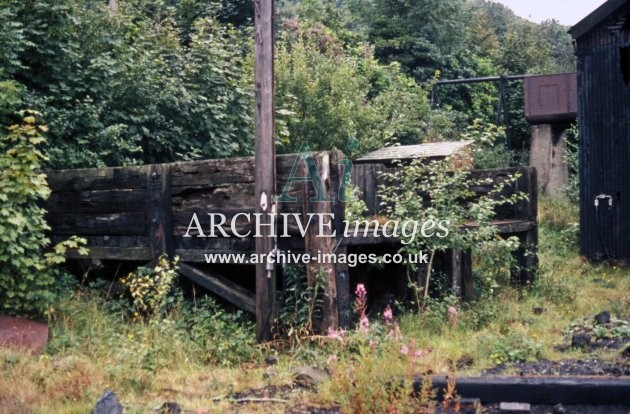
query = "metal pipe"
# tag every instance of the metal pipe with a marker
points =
(480, 80)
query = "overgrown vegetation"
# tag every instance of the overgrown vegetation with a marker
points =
(166, 80)
(441, 200)
(199, 354)
(27, 275)
(172, 80)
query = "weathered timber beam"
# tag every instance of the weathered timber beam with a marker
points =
(121, 224)
(199, 256)
(540, 390)
(220, 286)
(322, 243)
(97, 201)
(134, 254)
(91, 179)
(159, 213)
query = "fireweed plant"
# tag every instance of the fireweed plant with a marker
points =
(374, 368)
(435, 192)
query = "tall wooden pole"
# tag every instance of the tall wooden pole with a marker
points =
(265, 164)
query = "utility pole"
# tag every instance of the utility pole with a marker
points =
(265, 165)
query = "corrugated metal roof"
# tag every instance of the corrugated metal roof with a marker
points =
(406, 152)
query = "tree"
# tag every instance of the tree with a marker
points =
(330, 96)
(121, 88)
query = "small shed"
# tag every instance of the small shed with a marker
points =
(603, 65)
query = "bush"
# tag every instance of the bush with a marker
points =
(26, 281)
(152, 290)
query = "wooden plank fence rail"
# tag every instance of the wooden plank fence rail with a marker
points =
(139, 213)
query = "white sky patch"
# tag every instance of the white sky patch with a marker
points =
(567, 12)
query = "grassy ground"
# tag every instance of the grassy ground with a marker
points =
(200, 357)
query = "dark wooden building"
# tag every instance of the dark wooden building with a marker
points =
(603, 64)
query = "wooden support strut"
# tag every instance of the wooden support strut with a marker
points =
(265, 165)
(159, 212)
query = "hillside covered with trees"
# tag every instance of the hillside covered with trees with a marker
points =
(157, 81)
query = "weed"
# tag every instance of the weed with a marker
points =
(152, 291)
(513, 347)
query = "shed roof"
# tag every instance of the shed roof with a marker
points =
(599, 15)
(406, 152)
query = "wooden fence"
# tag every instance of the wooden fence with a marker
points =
(139, 213)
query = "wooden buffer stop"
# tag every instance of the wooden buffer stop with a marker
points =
(138, 213)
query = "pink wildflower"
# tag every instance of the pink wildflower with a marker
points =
(404, 350)
(360, 290)
(387, 314)
(335, 333)
(361, 304)
(364, 323)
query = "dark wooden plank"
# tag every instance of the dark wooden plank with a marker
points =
(199, 256)
(469, 291)
(344, 295)
(265, 172)
(160, 216)
(133, 254)
(99, 201)
(91, 179)
(213, 172)
(338, 174)
(225, 171)
(123, 248)
(453, 268)
(221, 286)
(129, 224)
(539, 390)
(526, 258)
(236, 196)
(214, 243)
(108, 240)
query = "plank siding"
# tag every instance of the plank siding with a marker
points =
(604, 114)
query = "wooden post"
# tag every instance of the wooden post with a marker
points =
(321, 244)
(159, 211)
(265, 165)
(342, 270)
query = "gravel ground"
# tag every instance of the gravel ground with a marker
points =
(619, 367)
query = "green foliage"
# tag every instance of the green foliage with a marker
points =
(355, 206)
(435, 193)
(329, 94)
(26, 279)
(615, 329)
(191, 334)
(300, 304)
(512, 347)
(152, 289)
(122, 88)
(223, 338)
(491, 149)
(572, 157)
(494, 264)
